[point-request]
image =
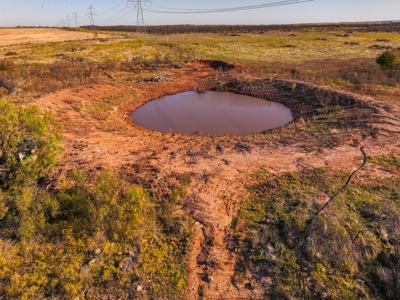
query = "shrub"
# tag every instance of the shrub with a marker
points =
(6, 65)
(28, 147)
(28, 144)
(389, 59)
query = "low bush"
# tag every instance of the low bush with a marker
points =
(389, 59)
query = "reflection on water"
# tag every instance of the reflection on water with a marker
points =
(212, 114)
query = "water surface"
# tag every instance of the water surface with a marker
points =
(211, 114)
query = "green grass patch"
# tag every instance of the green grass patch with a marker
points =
(341, 254)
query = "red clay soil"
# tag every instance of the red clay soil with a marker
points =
(221, 166)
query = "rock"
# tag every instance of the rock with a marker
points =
(127, 264)
(3, 173)
(139, 288)
(269, 252)
(27, 148)
(210, 279)
(97, 251)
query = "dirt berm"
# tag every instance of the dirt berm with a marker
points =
(328, 128)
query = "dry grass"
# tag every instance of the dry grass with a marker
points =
(12, 36)
(333, 57)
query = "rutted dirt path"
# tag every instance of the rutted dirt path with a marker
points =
(222, 167)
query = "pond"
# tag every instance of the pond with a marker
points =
(211, 114)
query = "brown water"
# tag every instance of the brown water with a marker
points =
(211, 114)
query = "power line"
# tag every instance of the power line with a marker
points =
(118, 15)
(140, 27)
(76, 19)
(138, 6)
(91, 15)
(106, 12)
(170, 10)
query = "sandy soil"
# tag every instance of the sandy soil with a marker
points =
(10, 36)
(221, 168)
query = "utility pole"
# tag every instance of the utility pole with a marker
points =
(91, 15)
(76, 19)
(140, 27)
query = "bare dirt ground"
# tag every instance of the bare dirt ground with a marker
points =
(221, 166)
(10, 36)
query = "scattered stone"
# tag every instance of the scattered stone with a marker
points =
(97, 251)
(210, 279)
(269, 252)
(139, 288)
(127, 264)
(3, 173)
(27, 148)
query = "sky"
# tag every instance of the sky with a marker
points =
(116, 12)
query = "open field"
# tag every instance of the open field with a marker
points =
(227, 216)
(10, 36)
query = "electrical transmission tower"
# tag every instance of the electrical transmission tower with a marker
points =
(91, 15)
(68, 21)
(76, 19)
(140, 27)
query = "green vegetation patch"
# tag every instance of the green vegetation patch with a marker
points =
(98, 237)
(391, 161)
(103, 238)
(349, 251)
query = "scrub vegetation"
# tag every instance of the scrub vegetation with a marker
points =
(91, 238)
(349, 251)
(335, 56)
